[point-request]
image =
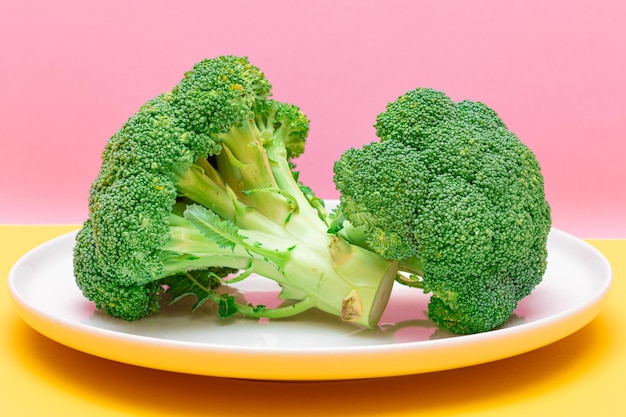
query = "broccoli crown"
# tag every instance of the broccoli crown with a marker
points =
(145, 162)
(132, 197)
(450, 186)
(367, 190)
(126, 301)
(218, 94)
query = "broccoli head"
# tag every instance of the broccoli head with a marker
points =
(198, 189)
(457, 199)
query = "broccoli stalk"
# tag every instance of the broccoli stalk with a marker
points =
(199, 185)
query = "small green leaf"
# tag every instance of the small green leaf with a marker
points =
(196, 283)
(223, 232)
(226, 306)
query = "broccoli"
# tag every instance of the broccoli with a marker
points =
(198, 189)
(456, 199)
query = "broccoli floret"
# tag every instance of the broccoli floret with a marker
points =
(199, 185)
(457, 199)
(128, 301)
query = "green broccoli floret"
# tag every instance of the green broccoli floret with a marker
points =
(453, 196)
(199, 186)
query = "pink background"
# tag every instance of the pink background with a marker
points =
(73, 71)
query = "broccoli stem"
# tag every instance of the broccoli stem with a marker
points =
(413, 265)
(332, 275)
(200, 183)
(244, 166)
(277, 312)
(285, 180)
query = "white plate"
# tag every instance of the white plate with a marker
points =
(309, 347)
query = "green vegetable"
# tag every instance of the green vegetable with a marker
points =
(453, 196)
(199, 186)
(198, 189)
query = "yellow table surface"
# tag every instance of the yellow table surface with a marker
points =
(583, 374)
